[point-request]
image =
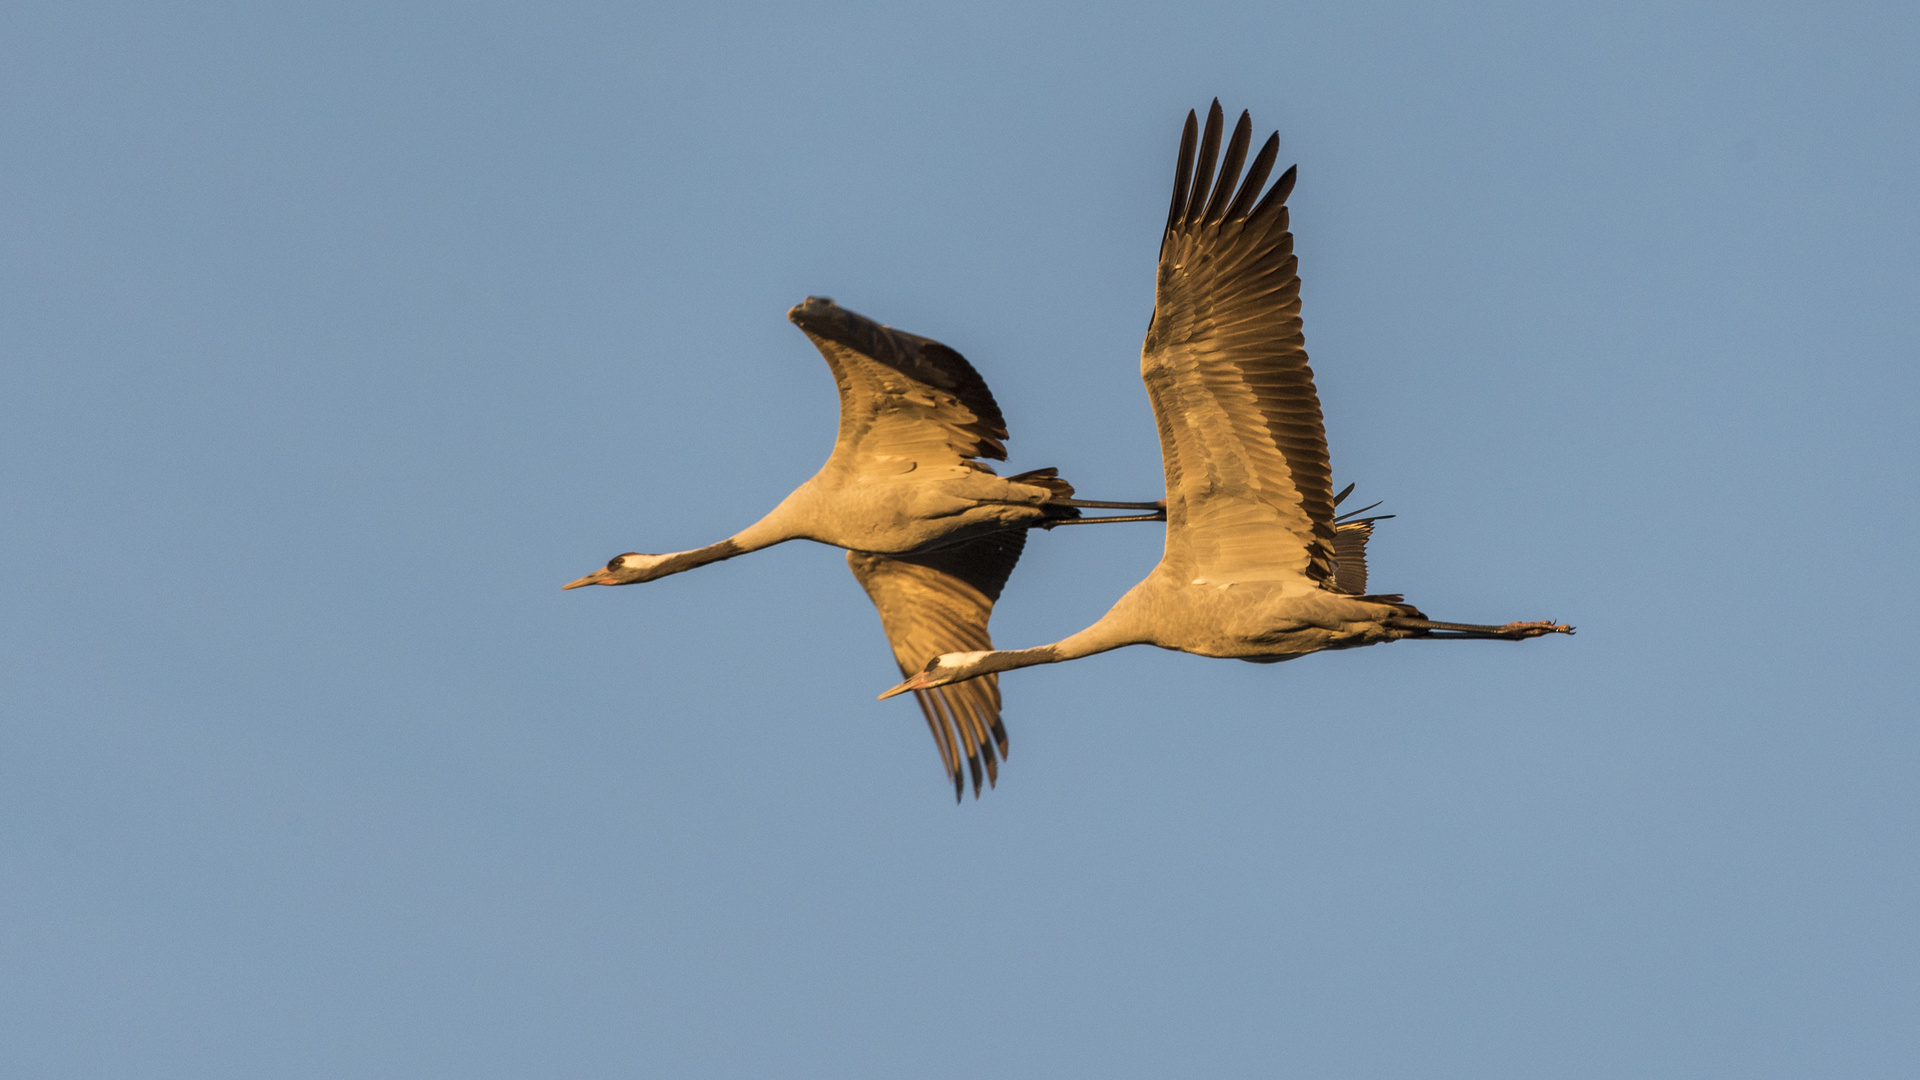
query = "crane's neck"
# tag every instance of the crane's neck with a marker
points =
(779, 526)
(1102, 636)
(682, 561)
(765, 533)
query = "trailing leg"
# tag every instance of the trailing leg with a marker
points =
(1513, 631)
(1052, 522)
(1089, 504)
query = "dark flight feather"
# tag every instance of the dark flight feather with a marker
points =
(1203, 167)
(1230, 169)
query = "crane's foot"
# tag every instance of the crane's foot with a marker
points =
(1518, 630)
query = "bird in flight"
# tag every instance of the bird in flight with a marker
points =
(930, 531)
(1257, 565)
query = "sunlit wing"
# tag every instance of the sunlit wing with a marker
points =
(905, 400)
(939, 602)
(1249, 492)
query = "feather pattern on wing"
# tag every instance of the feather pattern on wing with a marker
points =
(939, 602)
(901, 395)
(1249, 491)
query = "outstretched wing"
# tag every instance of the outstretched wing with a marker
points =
(904, 399)
(939, 602)
(1249, 492)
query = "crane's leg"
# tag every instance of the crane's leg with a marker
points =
(1054, 523)
(1089, 504)
(1513, 631)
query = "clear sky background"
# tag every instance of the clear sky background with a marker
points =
(335, 337)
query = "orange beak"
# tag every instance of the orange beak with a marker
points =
(918, 682)
(598, 577)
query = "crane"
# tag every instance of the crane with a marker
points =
(931, 532)
(1257, 565)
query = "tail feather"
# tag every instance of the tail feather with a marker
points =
(1051, 481)
(1397, 601)
(1045, 478)
(1350, 535)
(1350, 556)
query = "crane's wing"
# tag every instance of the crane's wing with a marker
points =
(904, 399)
(1249, 493)
(939, 602)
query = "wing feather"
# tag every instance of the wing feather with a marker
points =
(1256, 177)
(939, 602)
(1249, 490)
(901, 395)
(1203, 172)
(1230, 169)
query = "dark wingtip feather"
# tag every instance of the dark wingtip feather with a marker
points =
(943, 736)
(1230, 168)
(982, 719)
(1285, 186)
(1203, 167)
(1256, 178)
(1183, 172)
(1278, 196)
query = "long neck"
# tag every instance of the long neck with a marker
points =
(682, 561)
(1105, 635)
(768, 531)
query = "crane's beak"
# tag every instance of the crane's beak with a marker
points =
(598, 577)
(918, 682)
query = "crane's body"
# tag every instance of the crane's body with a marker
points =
(1261, 621)
(893, 505)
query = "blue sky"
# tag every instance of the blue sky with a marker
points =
(334, 338)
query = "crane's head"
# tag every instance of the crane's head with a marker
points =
(628, 569)
(943, 669)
